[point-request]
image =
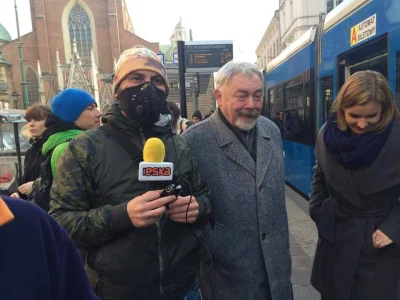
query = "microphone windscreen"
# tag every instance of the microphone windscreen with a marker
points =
(154, 150)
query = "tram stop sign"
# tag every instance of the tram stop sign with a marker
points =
(207, 56)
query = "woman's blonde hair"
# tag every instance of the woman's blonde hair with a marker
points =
(361, 88)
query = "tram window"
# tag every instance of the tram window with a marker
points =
(275, 107)
(294, 97)
(297, 123)
(307, 126)
(294, 110)
(398, 79)
(327, 97)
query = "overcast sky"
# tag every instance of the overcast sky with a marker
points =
(243, 22)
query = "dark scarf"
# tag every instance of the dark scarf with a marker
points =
(354, 150)
(247, 138)
(54, 124)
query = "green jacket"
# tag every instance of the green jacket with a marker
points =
(58, 142)
(95, 180)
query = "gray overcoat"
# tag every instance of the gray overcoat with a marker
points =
(248, 235)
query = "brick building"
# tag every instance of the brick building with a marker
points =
(73, 43)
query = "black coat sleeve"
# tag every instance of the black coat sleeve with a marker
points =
(322, 206)
(391, 225)
(319, 192)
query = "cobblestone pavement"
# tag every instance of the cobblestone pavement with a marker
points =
(303, 240)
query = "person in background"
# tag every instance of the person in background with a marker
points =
(179, 124)
(52, 270)
(355, 194)
(209, 114)
(36, 116)
(106, 111)
(196, 117)
(239, 153)
(72, 112)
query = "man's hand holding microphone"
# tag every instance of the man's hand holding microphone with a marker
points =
(146, 209)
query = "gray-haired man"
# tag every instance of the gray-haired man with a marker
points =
(239, 154)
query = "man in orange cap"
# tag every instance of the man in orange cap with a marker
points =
(140, 245)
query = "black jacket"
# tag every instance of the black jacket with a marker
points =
(96, 179)
(33, 159)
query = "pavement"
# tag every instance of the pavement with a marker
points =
(303, 241)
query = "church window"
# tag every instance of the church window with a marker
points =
(3, 74)
(80, 31)
(3, 79)
(33, 86)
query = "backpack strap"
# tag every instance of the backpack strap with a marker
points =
(40, 194)
(56, 154)
(123, 141)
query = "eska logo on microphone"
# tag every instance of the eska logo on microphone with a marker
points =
(157, 171)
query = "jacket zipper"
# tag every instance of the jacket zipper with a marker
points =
(160, 258)
(142, 136)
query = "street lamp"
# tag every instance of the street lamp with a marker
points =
(15, 98)
(21, 62)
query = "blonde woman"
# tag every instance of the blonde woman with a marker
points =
(355, 194)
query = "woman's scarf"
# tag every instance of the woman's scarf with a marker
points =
(354, 150)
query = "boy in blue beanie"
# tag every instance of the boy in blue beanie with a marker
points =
(72, 112)
(37, 258)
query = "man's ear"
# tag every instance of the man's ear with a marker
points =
(218, 96)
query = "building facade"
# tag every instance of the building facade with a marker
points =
(73, 43)
(296, 17)
(293, 18)
(6, 78)
(269, 46)
(331, 4)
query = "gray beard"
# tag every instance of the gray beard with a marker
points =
(246, 125)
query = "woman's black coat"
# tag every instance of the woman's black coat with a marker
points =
(347, 207)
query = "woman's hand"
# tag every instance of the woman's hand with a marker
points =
(15, 195)
(26, 188)
(380, 239)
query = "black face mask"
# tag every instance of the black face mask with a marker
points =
(143, 103)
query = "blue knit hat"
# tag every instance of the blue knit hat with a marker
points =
(70, 103)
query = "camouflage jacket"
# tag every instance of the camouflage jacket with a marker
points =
(52, 150)
(93, 183)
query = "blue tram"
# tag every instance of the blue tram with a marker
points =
(303, 81)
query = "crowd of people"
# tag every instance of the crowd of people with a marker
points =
(82, 225)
